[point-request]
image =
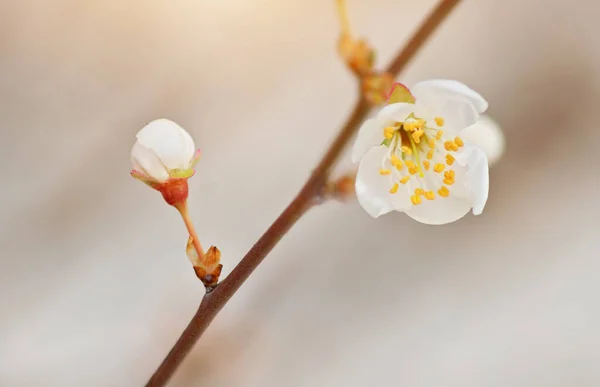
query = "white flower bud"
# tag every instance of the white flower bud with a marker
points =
(163, 149)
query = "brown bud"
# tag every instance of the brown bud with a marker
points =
(344, 187)
(376, 87)
(357, 54)
(341, 189)
(209, 270)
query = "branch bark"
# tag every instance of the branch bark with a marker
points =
(214, 301)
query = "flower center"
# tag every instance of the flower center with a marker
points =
(420, 151)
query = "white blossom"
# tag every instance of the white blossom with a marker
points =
(163, 150)
(414, 160)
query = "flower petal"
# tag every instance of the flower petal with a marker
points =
(146, 161)
(477, 179)
(457, 112)
(449, 88)
(398, 112)
(486, 134)
(372, 189)
(441, 210)
(170, 142)
(370, 135)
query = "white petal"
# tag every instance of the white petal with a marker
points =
(487, 135)
(370, 135)
(447, 87)
(477, 179)
(372, 189)
(441, 210)
(398, 112)
(146, 161)
(170, 142)
(458, 113)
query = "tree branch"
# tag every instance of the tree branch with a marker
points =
(214, 301)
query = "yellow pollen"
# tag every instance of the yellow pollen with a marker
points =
(405, 179)
(439, 168)
(417, 134)
(414, 125)
(388, 132)
(439, 134)
(416, 200)
(444, 192)
(430, 154)
(394, 188)
(449, 145)
(406, 150)
(439, 121)
(419, 191)
(426, 164)
(458, 141)
(413, 170)
(429, 195)
(431, 143)
(450, 159)
(384, 171)
(449, 177)
(396, 162)
(409, 163)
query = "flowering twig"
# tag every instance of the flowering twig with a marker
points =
(214, 301)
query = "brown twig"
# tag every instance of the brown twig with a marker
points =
(214, 301)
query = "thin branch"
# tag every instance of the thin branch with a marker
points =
(213, 302)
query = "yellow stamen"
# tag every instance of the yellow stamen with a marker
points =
(458, 141)
(429, 195)
(430, 154)
(419, 191)
(439, 168)
(439, 121)
(394, 188)
(444, 192)
(426, 165)
(389, 132)
(431, 142)
(411, 126)
(406, 150)
(439, 134)
(405, 179)
(416, 200)
(450, 159)
(417, 134)
(449, 145)
(413, 170)
(409, 163)
(384, 171)
(449, 177)
(396, 162)
(417, 158)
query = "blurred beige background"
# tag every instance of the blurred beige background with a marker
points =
(94, 281)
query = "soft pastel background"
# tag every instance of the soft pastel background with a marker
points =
(94, 281)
